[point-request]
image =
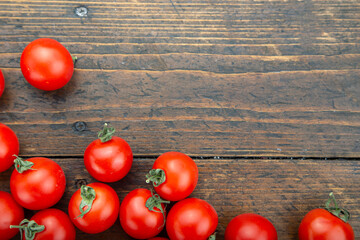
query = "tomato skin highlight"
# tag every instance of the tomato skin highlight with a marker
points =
(2, 83)
(57, 225)
(46, 64)
(108, 161)
(40, 187)
(320, 224)
(181, 175)
(11, 213)
(250, 226)
(136, 219)
(103, 213)
(191, 219)
(9, 145)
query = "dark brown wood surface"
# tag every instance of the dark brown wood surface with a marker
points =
(265, 95)
(281, 190)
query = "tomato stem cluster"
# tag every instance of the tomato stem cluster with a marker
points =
(341, 213)
(22, 165)
(106, 133)
(155, 202)
(30, 228)
(156, 176)
(88, 196)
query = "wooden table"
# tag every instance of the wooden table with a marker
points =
(264, 95)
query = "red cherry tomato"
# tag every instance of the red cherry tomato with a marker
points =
(174, 176)
(98, 214)
(321, 224)
(40, 185)
(137, 219)
(2, 83)
(250, 226)
(11, 213)
(109, 158)
(9, 146)
(50, 224)
(46, 64)
(158, 238)
(191, 219)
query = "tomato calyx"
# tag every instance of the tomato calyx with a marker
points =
(106, 133)
(74, 58)
(212, 237)
(155, 201)
(30, 228)
(88, 196)
(22, 165)
(341, 213)
(156, 176)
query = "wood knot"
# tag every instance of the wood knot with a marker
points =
(81, 11)
(79, 126)
(80, 182)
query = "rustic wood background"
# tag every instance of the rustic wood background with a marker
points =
(264, 95)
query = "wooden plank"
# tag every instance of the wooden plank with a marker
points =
(209, 78)
(297, 113)
(281, 190)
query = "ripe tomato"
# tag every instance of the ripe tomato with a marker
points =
(9, 146)
(250, 226)
(174, 176)
(319, 224)
(191, 219)
(46, 64)
(94, 208)
(158, 238)
(326, 224)
(48, 224)
(11, 214)
(142, 215)
(2, 83)
(37, 183)
(109, 158)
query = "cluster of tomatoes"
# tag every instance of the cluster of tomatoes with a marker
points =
(39, 183)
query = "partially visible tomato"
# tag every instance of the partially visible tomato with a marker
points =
(330, 223)
(142, 215)
(94, 208)
(320, 224)
(11, 213)
(109, 158)
(46, 64)
(2, 83)
(158, 238)
(250, 226)
(48, 224)
(191, 219)
(174, 176)
(9, 146)
(37, 183)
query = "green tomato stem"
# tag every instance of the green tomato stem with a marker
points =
(332, 206)
(212, 237)
(74, 58)
(155, 201)
(88, 196)
(106, 133)
(22, 165)
(30, 229)
(156, 176)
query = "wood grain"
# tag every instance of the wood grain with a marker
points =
(250, 114)
(265, 95)
(209, 78)
(281, 190)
